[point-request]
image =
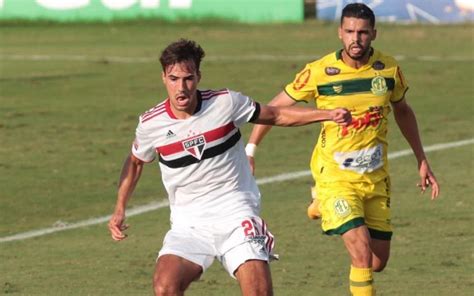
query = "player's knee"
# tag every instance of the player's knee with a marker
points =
(264, 287)
(264, 290)
(362, 255)
(261, 288)
(166, 286)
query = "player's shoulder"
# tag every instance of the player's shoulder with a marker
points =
(331, 58)
(211, 94)
(325, 61)
(222, 96)
(387, 60)
(154, 113)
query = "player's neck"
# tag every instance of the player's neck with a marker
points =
(353, 63)
(188, 111)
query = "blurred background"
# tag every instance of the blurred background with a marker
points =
(254, 11)
(75, 75)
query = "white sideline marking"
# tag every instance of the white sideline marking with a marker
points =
(257, 57)
(161, 204)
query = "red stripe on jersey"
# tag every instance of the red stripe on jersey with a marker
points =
(206, 95)
(150, 115)
(168, 109)
(210, 136)
(158, 112)
(160, 105)
(207, 91)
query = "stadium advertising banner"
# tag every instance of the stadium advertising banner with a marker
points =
(106, 10)
(410, 11)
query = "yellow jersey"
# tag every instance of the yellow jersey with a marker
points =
(358, 152)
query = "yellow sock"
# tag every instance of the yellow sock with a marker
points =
(361, 282)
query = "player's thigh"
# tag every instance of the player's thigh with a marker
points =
(247, 239)
(255, 278)
(175, 273)
(341, 207)
(377, 211)
(183, 245)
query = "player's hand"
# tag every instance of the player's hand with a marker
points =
(341, 116)
(117, 227)
(252, 164)
(427, 179)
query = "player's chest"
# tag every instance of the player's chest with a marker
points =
(194, 135)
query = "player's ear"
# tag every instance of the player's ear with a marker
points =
(339, 32)
(198, 76)
(375, 35)
(163, 76)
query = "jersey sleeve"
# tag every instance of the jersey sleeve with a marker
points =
(244, 109)
(142, 147)
(400, 87)
(303, 87)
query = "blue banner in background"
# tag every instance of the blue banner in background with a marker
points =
(408, 11)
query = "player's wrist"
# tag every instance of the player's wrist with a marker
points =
(250, 149)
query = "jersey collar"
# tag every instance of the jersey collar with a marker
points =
(198, 106)
(372, 56)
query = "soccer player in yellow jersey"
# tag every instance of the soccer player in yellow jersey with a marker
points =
(349, 164)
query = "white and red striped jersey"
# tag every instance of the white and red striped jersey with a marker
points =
(202, 158)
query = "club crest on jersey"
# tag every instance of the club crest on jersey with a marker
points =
(379, 86)
(195, 146)
(332, 71)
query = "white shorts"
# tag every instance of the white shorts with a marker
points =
(232, 243)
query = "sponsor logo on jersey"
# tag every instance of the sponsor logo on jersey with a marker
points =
(302, 79)
(379, 86)
(337, 89)
(371, 119)
(332, 71)
(341, 207)
(361, 161)
(257, 239)
(378, 65)
(195, 146)
(135, 144)
(170, 134)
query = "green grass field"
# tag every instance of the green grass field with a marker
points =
(68, 111)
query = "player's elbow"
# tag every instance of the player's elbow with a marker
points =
(269, 116)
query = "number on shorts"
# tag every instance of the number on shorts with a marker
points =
(248, 227)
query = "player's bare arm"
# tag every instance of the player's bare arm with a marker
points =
(280, 111)
(259, 131)
(406, 120)
(129, 177)
(297, 116)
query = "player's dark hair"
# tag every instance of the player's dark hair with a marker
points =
(359, 10)
(180, 51)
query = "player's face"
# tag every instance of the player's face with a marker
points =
(181, 81)
(356, 35)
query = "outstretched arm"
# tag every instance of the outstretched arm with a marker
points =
(131, 171)
(297, 116)
(406, 120)
(280, 111)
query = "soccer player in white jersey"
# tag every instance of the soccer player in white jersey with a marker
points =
(214, 199)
